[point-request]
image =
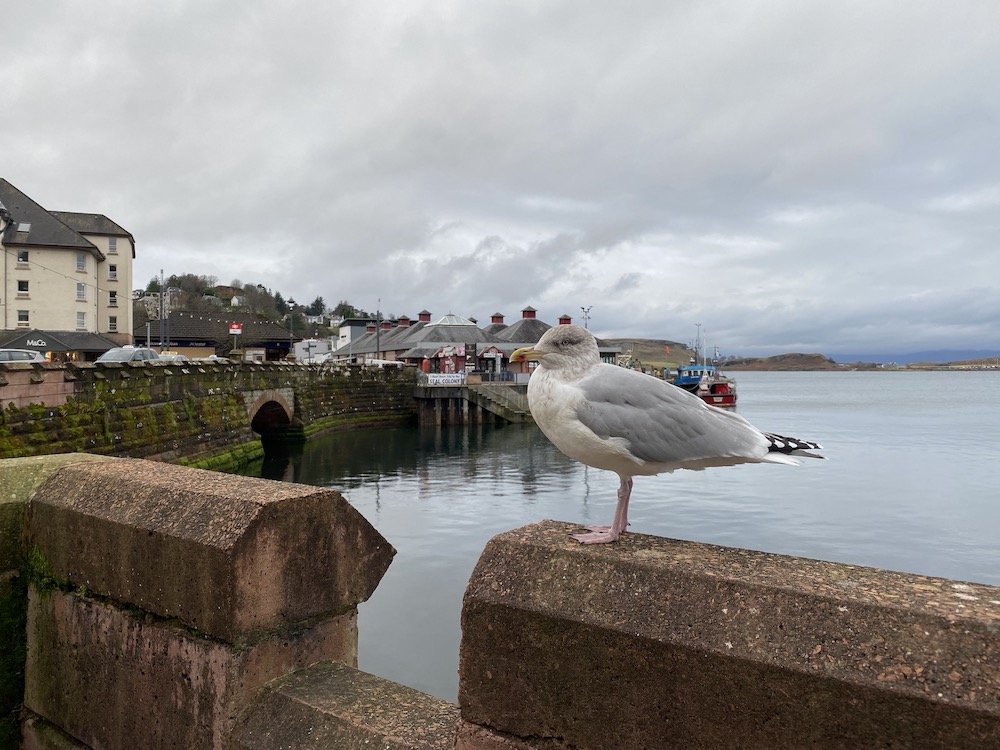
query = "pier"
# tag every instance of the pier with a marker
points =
(472, 403)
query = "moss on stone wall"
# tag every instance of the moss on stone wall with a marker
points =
(198, 416)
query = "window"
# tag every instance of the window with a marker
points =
(22, 317)
(113, 323)
(22, 288)
(81, 292)
(113, 272)
(81, 262)
(22, 256)
(112, 299)
(112, 246)
(81, 321)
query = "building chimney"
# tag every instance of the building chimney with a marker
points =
(370, 327)
(404, 321)
(497, 319)
(565, 320)
(386, 325)
(424, 317)
(528, 313)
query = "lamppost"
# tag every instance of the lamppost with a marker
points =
(378, 329)
(586, 315)
(291, 318)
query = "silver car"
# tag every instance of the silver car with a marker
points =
(128, 354)
(21, 355)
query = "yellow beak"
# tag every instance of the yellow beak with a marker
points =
(526, 353)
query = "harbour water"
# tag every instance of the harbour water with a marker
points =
(911, 483)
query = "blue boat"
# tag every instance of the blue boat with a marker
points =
(706, 381)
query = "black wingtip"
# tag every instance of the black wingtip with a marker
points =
(782, 444)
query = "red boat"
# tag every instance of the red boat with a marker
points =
(706, 382)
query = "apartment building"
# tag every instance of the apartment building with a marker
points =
(63, 271)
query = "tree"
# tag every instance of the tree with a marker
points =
(279, 304)
(345, 309)
(260, 301)
(316, 307)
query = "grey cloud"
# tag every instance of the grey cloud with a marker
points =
(791, 174)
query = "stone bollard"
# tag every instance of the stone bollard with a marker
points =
(653, 642)
(163, 598)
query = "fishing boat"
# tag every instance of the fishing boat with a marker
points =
(706, 380)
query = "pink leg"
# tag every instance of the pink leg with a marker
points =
(604, 534)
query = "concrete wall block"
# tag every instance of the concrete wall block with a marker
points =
(659, 643)
(112, 678)
(330, 705)
(39, 734)
(230, 556)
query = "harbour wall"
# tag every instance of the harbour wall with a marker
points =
(211, 415)
(164, 606)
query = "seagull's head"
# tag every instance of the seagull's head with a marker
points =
(567, 346)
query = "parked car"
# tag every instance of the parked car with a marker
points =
(21, 355)
(128, 354)
(173, 357)
(215, 358)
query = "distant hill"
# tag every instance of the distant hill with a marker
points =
(793, 361)
(939, 356)
(656, 353)
(660, 353)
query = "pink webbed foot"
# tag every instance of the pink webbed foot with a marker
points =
(605, 536)
(608, 534)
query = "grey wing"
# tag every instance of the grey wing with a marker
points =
(662, 423)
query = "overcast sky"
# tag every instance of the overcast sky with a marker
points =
(793, 175)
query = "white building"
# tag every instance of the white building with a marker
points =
(63, 271)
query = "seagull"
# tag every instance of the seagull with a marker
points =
(633, 424)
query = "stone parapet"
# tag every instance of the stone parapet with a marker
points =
(660, 643)
(162, 598)
(332, 706)
(229, 556)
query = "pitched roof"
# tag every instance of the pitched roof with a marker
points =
(90, 223)
(56, 341)
(421, 338)
(33, 226)
(205, 327)
(526, 330)
(93, 224)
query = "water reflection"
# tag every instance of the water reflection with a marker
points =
(432, 455)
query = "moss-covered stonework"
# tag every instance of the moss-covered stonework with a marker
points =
(197, 415)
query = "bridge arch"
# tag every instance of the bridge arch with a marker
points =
(272, 415)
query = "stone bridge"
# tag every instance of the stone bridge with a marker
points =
(270, 409)
(208, 414)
